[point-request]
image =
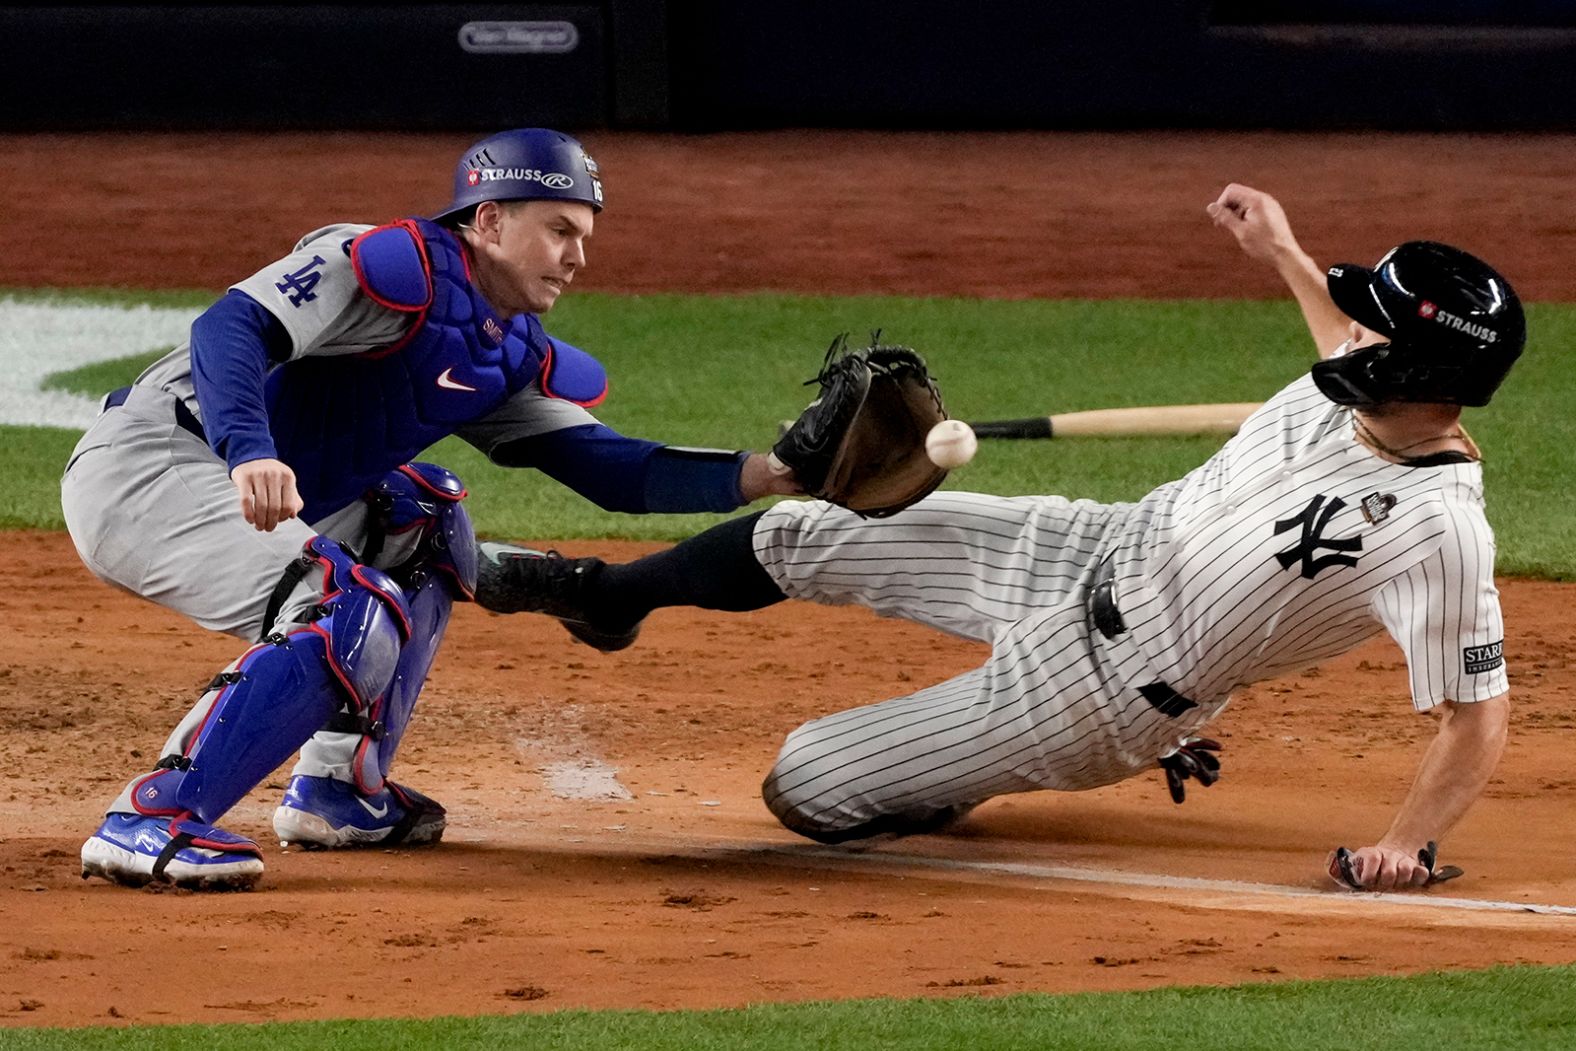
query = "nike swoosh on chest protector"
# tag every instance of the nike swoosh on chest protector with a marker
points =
(448, 382)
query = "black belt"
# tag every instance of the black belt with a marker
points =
(183, 416)
(1102, 603)
(1107, 619)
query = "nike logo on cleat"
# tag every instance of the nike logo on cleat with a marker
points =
(448, 382)
(382, 811)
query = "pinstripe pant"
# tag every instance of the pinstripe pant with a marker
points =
(1051, 708)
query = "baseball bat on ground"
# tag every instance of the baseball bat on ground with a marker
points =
(1139, 421)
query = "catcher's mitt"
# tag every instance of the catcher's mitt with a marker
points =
(861, 443)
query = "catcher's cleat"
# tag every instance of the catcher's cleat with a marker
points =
(134, 850)
(519, 580)
(320, 813)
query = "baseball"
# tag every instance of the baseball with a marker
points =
(950, 444)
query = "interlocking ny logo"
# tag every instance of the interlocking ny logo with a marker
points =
(1313, 519)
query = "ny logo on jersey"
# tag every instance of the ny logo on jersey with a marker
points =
(298, 285)
(1313, 519)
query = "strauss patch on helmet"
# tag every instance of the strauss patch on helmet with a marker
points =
(524, 164)
(1471, 328)
(551, 180)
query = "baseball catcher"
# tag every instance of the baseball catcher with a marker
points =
(260, 479)
(861, 443)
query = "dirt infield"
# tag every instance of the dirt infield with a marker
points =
(607, 845)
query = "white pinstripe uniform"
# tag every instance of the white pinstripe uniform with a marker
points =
(1292, 544)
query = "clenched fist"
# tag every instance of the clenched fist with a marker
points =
(267, 489)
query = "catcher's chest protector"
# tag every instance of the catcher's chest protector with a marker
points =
(342, 423)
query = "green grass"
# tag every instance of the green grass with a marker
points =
(102, 376)
(721, 371)
(1514, 1009)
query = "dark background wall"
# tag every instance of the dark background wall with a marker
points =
(716, 64)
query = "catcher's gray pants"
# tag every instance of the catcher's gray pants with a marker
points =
(1051, 707)
(152, 510)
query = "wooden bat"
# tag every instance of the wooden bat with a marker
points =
(1140, 421)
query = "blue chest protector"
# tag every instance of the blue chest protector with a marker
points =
(344, 422)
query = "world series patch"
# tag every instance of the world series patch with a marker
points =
(1376, 507)
(1480, 659)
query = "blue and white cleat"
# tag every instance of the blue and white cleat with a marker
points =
(320, 813)
(134, 850)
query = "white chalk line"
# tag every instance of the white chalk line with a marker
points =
(1158, 881)
(784, 853)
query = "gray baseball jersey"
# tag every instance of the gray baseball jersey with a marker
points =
(152, 510)
(1292, 544)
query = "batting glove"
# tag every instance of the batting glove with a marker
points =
(1343, 869)
(1193, 757)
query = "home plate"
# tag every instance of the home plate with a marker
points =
(584, 778)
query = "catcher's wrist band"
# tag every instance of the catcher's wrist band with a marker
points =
(684, 479)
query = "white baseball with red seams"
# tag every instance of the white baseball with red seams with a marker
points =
(950, 444)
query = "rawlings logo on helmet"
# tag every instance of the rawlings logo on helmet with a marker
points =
(551, 180)
(524, 164)
(1425, 309)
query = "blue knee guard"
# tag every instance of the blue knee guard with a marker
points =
(285, 688)
(426, 497)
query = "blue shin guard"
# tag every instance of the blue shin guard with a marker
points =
(284, 689)
(390, 715)
(419, 500)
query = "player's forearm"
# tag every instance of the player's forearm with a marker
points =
(632, 475)
(1306, 280)
(1454, 771)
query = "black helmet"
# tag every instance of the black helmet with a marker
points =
(1455, 328)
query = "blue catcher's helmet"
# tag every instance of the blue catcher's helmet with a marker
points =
(526, 164)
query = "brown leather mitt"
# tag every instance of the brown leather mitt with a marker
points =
(861, 443)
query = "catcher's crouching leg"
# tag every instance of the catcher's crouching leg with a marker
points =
(339, 794)
(250, 719)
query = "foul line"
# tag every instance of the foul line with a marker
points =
(1163, 882)
(1226, 886)
(1076, 874)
